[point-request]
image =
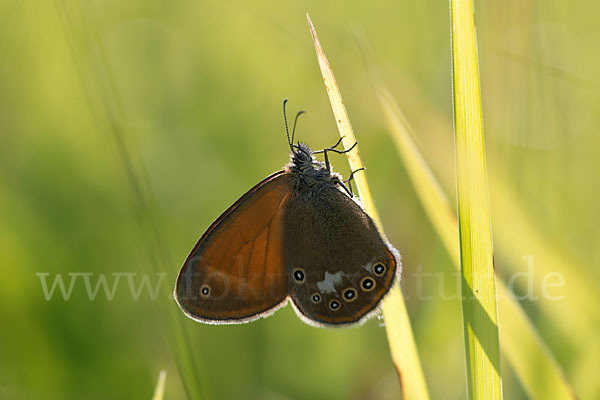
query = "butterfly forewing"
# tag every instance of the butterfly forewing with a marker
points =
(339, 266)
(236, 270)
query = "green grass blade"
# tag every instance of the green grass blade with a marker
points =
(159, 389)
(480, 316)
(524, 239)
(533, 363)
(104, 102)
(400, 337)
(535, 367)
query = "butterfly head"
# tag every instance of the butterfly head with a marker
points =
(302, 157)
(310, 174)
(303, 163)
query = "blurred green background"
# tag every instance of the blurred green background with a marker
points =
(127, 127)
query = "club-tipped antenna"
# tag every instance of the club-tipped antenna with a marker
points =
(286, 125)
(295, 121)
(291, 141)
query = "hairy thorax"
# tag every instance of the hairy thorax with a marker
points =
(310, 175)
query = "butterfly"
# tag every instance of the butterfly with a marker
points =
(297, 236)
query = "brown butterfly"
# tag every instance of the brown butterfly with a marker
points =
(297, 235)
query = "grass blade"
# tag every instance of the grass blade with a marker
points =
(525, 239)
(535, 367)
(105, 105)
(480, 315)
(400, 337)
(159, 390)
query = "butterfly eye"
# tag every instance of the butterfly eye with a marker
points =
(350, 294)
(299, 275)
(379, 269)
(316, 298)
(205, 291)
(367, 284)
(334, 304)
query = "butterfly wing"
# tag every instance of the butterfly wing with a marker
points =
(236, 272)
(339, 265)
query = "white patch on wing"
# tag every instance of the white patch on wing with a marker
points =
(327, 285)
(368, 266)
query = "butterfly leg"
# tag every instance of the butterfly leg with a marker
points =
(324, 151)
(336, 150)
(349, 191)
(336, 143)
(349, 180)
(326, 160)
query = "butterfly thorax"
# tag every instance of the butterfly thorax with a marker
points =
(311, 175)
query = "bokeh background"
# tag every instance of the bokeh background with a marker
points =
(127, 127)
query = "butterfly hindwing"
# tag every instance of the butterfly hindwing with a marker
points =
(339, 265)
(236, 272)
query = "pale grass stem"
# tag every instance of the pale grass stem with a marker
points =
(400, 337)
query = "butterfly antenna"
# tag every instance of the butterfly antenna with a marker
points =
(286, 125)
(295, 121)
